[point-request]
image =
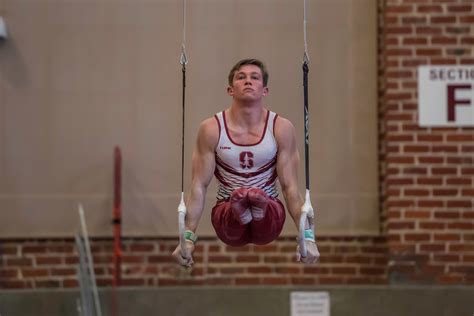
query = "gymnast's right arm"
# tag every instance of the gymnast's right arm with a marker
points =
(203, 165)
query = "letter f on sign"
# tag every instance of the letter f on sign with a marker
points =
(452, 101)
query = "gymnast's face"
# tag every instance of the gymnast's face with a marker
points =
(247, 84)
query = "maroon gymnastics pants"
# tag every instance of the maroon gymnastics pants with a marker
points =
(260, 230)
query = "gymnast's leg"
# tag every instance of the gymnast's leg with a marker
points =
(268, 217)
(230, 219)
(250, 216)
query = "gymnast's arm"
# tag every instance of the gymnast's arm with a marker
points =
(203, 164)
(287, 169)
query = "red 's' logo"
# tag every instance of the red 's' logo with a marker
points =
(246, 159)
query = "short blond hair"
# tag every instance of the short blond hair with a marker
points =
(249, 61)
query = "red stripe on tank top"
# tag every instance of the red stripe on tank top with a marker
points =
(272, 179)
(218, 124)
(220, 178)
(238, 144)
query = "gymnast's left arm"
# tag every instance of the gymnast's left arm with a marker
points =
(287, 169)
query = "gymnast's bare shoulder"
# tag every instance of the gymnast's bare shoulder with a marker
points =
(208, 135)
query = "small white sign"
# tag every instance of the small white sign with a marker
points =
(310, 304)
(446, 95)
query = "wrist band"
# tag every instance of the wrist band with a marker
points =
(309, 235)
(189, 235)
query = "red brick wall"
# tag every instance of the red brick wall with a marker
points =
(426, 185)
(147, 262)
(428, 173)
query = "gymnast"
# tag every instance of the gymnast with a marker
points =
(248, 148)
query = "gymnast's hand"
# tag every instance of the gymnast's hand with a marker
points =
(312, 254)
(185, 260)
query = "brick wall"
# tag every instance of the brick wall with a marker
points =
(426, 185)
(52, 263)
(428, 173)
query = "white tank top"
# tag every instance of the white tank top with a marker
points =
(242, 165)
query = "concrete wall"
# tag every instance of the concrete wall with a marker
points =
(79, 77)
(354, 301)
